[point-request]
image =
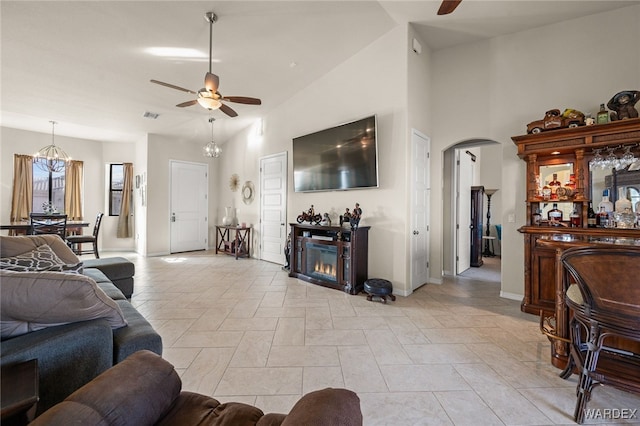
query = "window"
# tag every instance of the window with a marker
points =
(48, 188)
(116, 182)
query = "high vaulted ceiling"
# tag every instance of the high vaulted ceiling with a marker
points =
(85, 64)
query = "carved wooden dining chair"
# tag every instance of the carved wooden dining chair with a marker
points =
(76, 241)
(48, 224)
(601, 288)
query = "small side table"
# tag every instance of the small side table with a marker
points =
(233, 240)
(489, 249)
(20, 395)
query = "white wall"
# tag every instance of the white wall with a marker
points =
(374, 81)
(491, 90)
(160, 150)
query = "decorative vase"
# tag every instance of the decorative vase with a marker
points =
(229, 218)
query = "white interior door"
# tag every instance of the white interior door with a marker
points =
(273, 207)
(464, 179)
(420, 192)
(189, 209)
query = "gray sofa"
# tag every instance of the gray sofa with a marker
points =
(70, 352)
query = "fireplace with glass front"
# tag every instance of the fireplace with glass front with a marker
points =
(330, 256)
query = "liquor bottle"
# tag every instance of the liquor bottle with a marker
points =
(575, 219)
(591, 216)
(602, 218)
(555, 214)
(608, 209)
(536, 217)
(603, 116)
(622, 202)
(554, 185)
(571, 183)
(546, 191)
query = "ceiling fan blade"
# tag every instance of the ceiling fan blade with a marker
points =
(228, 110)
(211, 82)
(448, 6)
(172, 86)
(188, 103)
(243, 100)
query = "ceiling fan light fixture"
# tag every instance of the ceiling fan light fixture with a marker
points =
(51, 158)
(209, 102)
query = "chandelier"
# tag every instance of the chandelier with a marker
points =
(211, 150)
(51, 158)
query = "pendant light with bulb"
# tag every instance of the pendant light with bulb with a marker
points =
(211, 150)
(51, 158)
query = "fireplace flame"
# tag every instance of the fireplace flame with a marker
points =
(325, 269)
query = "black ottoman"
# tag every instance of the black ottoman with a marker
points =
(379, 287)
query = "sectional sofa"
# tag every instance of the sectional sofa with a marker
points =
(73, 319)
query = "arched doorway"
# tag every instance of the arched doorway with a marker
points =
(475, 162)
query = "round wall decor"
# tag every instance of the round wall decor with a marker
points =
(248, 192)
(234, 182)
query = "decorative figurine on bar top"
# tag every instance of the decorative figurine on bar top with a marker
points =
(622, 105)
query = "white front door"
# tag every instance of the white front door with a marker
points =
(420, 192)
(464, 180)
(273, 207)
(189, 208)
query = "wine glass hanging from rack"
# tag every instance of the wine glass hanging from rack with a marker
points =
(627, 159)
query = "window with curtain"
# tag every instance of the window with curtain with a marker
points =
(120, 197)
(116, 183)
(32, 187)
(48, 188)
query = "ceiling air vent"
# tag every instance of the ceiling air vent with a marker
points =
(151, 115)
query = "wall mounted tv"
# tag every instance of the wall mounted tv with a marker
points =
(339, 158)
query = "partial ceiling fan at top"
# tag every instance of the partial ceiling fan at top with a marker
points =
(448, 6)
(209, 97)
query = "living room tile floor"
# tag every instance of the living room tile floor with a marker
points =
(450, 354)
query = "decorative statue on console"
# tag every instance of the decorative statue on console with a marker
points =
(309, 216)
(287, 253)
(354, 221)
(326, 220)
(622, 105)
(344, 218)
(352, 218)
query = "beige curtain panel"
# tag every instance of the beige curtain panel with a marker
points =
(73, 190)
(22, 197)
(125, 220)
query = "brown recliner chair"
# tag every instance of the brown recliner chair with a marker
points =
(145, 389)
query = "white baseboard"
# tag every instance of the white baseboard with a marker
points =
(511, 296)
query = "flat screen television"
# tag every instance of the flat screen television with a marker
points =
(339, 158)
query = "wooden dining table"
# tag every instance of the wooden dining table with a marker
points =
(23, 226)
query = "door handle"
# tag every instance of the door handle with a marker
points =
(173, 217)
(282, 224)
(471, 226)
(416, 232)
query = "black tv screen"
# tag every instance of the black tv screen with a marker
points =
(340, 158)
